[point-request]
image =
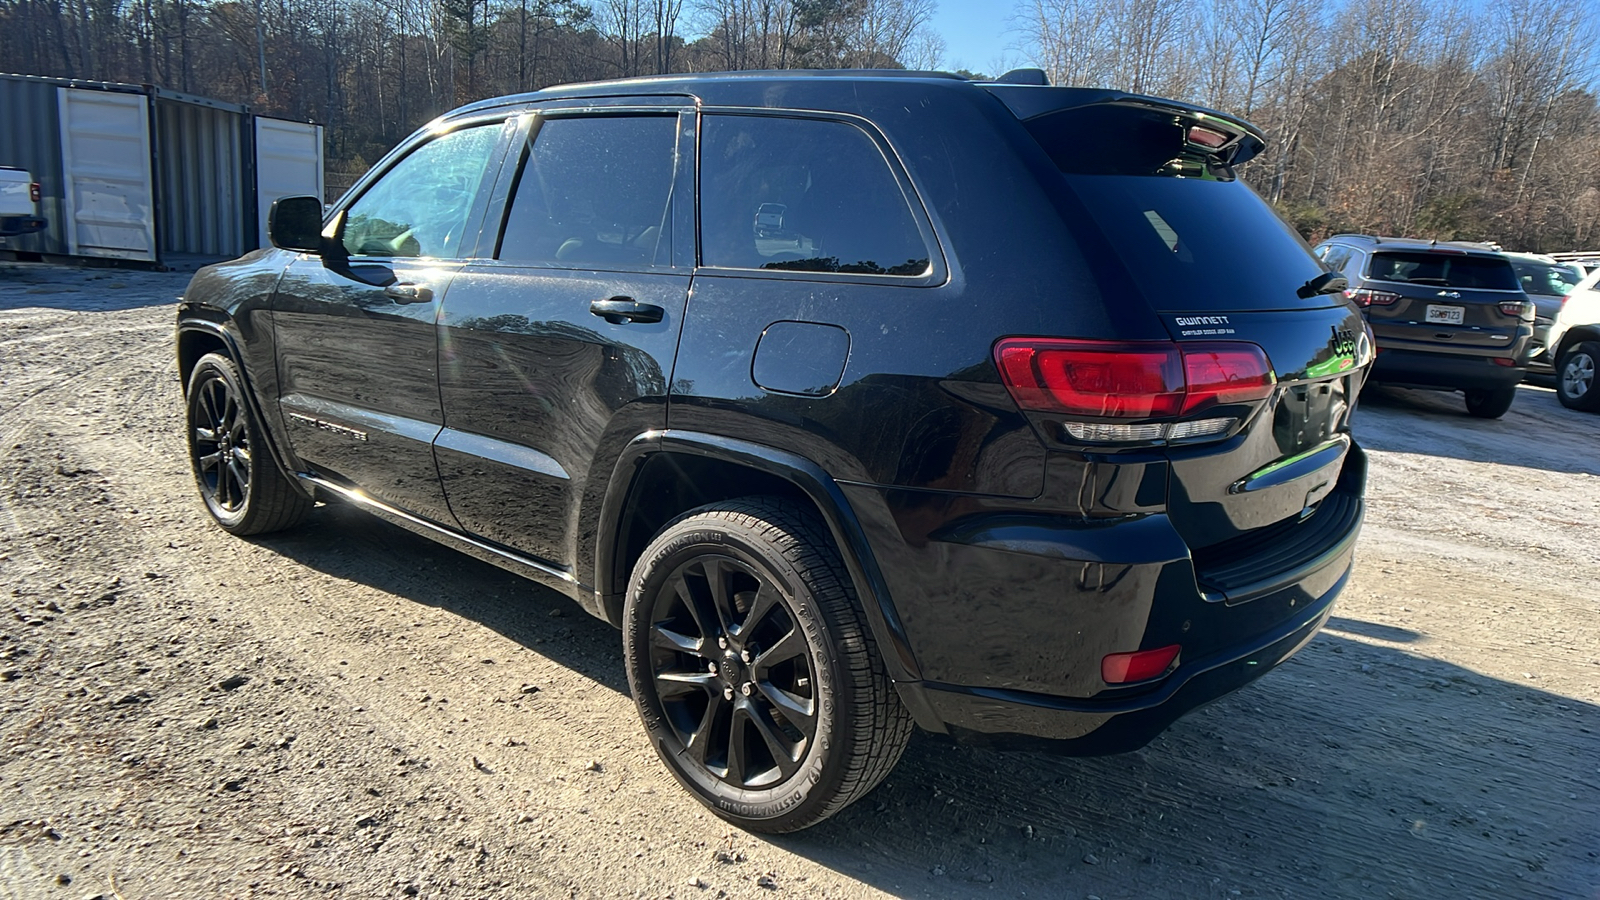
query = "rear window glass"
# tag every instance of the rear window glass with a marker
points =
(1546, 279)
(1444, 270)
(1192, 236)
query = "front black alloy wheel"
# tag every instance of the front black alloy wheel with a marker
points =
(241, 484)
(753, 669)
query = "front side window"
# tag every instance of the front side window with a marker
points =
(806, 195)
(594, 191)
(419, 208)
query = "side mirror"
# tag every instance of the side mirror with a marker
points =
(295, 223)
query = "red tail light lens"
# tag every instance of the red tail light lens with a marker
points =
(1093, 378)
(1514, 308)
(33, 192)
(1365, 297)
(1225, 373)
(1131, 380)
(1142, 665)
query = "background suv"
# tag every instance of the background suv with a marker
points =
(1547, 282)
(1445, 316)
(853, 399)
(1575, 345)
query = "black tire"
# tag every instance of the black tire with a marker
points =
(242, 486)
(1487, 404)
(1577, 386)
(759, 576)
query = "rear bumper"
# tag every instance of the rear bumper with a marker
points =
(11, 226)
(1011, 619)
(1410, 368)
(1022, 720)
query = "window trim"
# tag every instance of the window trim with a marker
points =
(419, 138)
(528, 122)
(938, 272)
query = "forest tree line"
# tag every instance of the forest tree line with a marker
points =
(1430, 118)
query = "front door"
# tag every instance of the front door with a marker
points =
(557, 352)
(356, 342)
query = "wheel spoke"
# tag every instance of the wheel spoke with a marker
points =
(782, 753)
(765, 601)
(738, 749)
(240, 480)
(676, 684)
(205, 436)
(799, 711)
(210, 461)
(667, 639)
(788, 647)
(704, 734)
(696, 595)
(717, 583)
(242, 457)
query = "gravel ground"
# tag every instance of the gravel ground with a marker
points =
(348, 710)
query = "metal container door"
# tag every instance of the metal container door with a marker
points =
(110, 194)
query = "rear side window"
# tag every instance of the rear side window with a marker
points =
(594, 191)
(1192, 236)
(805, 195)
(1444, 270)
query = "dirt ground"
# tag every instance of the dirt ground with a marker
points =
(346, 710)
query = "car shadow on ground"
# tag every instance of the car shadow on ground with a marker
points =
(1436, 423)
(1357, 769)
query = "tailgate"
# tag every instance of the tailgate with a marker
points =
(1288, 457)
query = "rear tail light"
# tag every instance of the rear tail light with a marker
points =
(1365, 297)
(33, 192)
(1515, 308)
(1157, 380)
(1141, 665)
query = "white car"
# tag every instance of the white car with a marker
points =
(1575, 339)
(19, 203)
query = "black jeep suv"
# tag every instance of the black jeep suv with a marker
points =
(855, 400)
(1448, 316)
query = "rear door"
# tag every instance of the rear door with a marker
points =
(356, 342)
(556, 351)
(1443, 301)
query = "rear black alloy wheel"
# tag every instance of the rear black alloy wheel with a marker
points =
(753, 670)
(1576, 386)
(240, 482)
(1486, 404)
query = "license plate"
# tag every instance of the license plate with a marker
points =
(1446, 315)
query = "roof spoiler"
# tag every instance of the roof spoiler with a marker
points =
(1229, 138)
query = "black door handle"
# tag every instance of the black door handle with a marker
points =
(618, 310)
(408, 293)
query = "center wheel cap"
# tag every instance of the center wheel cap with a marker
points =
(733, 669)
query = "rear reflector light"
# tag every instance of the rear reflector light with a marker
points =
(1514, 307)
(1365, 297)
(1508, 363)
(1145, 380)
(33, 192)
(1141, 665)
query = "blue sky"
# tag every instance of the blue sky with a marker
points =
(975, 34)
